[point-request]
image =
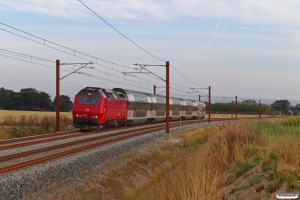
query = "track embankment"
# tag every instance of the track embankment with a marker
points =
(30, 164)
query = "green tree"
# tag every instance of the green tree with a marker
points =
(245, 108)
(29, 99)
(280, 105)
(4, 94)
(13, 101)
(65, 103)
(249, 101)
(297, 106)
(266, 109)
(32, 99)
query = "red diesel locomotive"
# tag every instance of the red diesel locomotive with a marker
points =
(95, 106)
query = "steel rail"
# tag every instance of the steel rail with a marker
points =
(23, 139)
(16, 140)
(36, 151)
(57, 155)
(65, 137)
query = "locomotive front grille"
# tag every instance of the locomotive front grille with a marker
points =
(81, 122)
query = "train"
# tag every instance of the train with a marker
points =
(107, 108)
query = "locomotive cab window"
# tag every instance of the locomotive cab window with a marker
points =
(88, 100)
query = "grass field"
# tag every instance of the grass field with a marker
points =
(247, 159)
(233, 116)
(19, 113)
(27, 123)
(14, 124)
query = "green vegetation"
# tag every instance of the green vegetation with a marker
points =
(243, 108)
(251, 107)
(32, 100)
(281, 105)
(257, 178)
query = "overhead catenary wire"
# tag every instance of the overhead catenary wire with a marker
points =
(65, 48)
(75, 51)
(25, 56)
(72, 50)
(122, 78)
(26, 61)
(119, 31)
(82, 73)
(97, 77)
(133, 41)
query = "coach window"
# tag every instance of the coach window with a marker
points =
(153, 106)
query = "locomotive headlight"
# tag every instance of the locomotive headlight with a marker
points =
(76, 115)
(96, 116)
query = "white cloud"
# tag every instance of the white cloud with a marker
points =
(267, 10)
(125, 9)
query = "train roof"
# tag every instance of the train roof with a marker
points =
(134, 96)
(143, 97)
(99, 92)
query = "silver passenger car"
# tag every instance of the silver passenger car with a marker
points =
(139, 105)
(146, 108)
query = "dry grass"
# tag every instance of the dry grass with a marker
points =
(239, 116)
(19, 113)
(239, 160)
(225, 159)
(31, 123)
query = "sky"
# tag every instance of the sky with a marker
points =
(248, 49)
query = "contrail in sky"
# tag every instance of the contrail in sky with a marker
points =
(212, 38)
(194, 53)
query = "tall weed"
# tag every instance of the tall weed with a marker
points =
(32, 125)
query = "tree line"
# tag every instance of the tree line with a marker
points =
(251, 107)
(32, 100)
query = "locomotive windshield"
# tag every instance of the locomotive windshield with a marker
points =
(88, 100)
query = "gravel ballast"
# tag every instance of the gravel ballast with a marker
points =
(21, 183)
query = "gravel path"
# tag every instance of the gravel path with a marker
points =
(27, 181)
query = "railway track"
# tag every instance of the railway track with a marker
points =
(62, 135)
(78, 145)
